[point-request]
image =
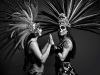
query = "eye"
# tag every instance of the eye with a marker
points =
(62, 27)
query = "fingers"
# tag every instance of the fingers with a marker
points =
(51, 39)
(50, 36)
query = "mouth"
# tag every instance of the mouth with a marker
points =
(63, 33)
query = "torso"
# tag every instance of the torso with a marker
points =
(32, 58)
(67, 43)
(36, 66)
(61, 65)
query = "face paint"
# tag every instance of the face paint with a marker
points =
(63, 24)
(63, 30)
(40, 31)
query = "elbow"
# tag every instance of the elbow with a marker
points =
(42, 61)
(62, 59)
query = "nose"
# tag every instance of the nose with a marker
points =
(61, 30)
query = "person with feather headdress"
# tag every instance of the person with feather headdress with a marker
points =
(24, 32)
(62, 16)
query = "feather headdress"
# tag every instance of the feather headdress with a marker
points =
(79, 13)
(20, 24)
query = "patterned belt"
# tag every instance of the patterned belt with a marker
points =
(35, 70)
(66, 69)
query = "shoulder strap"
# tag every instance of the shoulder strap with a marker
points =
(64, 40)
(61, 42)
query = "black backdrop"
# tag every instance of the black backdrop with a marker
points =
(86, 61)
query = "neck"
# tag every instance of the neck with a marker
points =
(63, 37)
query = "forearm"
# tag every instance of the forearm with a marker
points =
(45, 55)
(35, 49)
(45, 48)
(64, 54)
(61, 56)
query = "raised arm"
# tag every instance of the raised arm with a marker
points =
(45, 48)
(66, 48)
(35, 48)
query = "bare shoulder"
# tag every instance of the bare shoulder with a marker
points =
(68, 40)
(68, 44)
(32, 42)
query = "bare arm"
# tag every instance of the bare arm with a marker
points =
(45, 48)
(34, 47)
(66, 48)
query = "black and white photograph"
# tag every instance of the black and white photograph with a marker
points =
(49, 37)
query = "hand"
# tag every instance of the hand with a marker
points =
(55, 47)
(51, 39)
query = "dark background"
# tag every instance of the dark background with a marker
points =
(86, 61)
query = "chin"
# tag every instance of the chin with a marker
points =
(62, 34)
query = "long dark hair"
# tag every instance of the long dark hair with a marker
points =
(73, 52)
(26, 59)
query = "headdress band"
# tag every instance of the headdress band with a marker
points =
(64, 19)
